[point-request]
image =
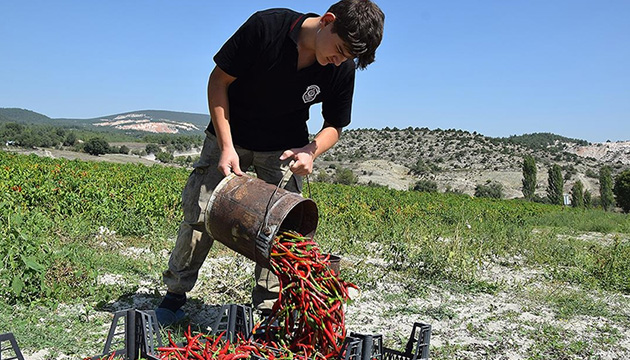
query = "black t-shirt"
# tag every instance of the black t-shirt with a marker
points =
(270, 98)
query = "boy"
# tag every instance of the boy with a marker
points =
(267, 75)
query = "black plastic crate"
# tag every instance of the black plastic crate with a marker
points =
(351, 349)
(9, 349)
(371, 346)
(134, 334)
(234, 320)
(417, 346)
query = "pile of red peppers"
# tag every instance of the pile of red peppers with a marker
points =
(308, 317)
(307, 321)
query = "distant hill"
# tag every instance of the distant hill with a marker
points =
(23, 116)
(544, 141)
(138, 122)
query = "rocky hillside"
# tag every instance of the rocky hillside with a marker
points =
(459, 160)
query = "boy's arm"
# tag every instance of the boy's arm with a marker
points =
(304, 156)
(219, 113)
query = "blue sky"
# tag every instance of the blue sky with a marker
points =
(496, 67)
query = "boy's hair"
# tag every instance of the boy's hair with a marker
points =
(359, 23)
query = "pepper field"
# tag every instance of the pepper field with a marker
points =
(496, 279)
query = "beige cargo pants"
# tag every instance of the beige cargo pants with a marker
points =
(193, 241)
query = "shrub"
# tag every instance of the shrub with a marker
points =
(345, 176)
(425, 186)
(322, 176)
(492, 190)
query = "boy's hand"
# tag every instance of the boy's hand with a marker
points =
(302, 163)
(229, 162)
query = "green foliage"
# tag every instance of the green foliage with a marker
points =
(607, 197)
(425, 185)
(46, 202)
(590, 173)
(96, 146)
(71, 139)
(622, 190)
(179, 142)
(164, 157)
(577, 195)
(322, 176)
(588, 199)
(31, 135)
(152, 148)
(491, 190)
(421, 167)
(529, 177)
(345, 176)
(555, 186)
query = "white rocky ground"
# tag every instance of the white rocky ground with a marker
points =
(516, 322)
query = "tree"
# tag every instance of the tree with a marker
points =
(165, 157)
(529, 177)
(71, 139)
(577, 195)
(606, 188)
(555, 185)
(152, 148)
(588, 199)
(96, 146)
(622, 190)
(491, 190)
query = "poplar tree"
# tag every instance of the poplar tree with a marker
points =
(555, 185)
(622, 190)
(529, 177)
(606, 188)
(588, 199)
(577, 195)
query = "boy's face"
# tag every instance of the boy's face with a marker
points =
(329, 48)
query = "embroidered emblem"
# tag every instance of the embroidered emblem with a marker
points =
(311, 93)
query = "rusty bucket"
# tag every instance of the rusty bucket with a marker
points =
(245, 213)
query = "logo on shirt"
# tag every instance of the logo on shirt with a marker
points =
(311, 93)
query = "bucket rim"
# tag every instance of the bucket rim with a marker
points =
(217, 189)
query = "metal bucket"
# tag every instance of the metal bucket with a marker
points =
(245, 213)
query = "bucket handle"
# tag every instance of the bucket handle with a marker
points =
(265, 232)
